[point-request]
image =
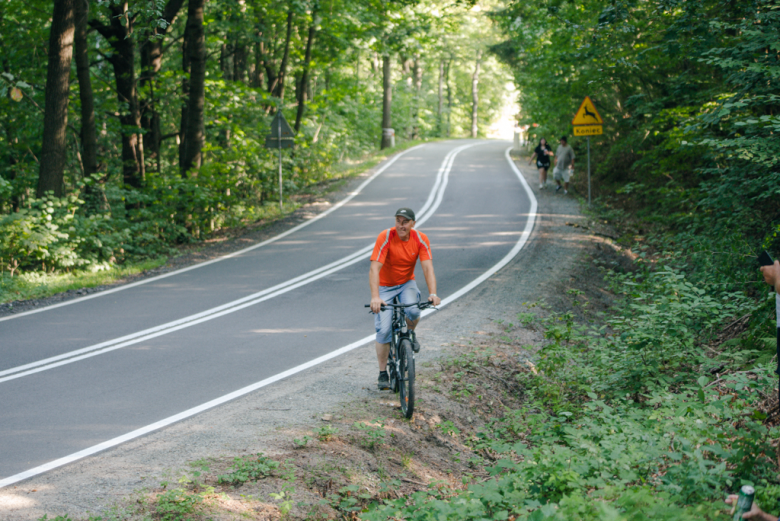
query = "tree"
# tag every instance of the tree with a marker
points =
(475, 96)
(278, 88)
(151, 63)
(303, 84)
(119, 34)
(89, 144)
(387, 101)
(55, 118)
(194, 132)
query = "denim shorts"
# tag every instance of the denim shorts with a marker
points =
(407, 294)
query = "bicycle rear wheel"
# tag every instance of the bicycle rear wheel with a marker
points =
(406, 377)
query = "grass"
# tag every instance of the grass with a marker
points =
(42, 285)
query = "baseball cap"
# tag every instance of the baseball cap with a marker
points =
(405, 212)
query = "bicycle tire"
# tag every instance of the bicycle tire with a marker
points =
(406, 378)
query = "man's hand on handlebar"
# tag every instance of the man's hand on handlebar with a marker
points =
(434, 299)
(376, 304)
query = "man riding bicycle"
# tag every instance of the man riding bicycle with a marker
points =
(392, 274)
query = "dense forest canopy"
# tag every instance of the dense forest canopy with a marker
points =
(140, 124)
(689, 94)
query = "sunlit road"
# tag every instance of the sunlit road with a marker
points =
(76, 376)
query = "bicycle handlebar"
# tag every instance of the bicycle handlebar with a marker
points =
(422, 305)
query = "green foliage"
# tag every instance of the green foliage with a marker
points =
(284, 499)
(326, 433)
(301, 442)
(686, 91)
(373, 435)
(349, 499)
(448, 428)
(50, 234)
(249, 468)
(177, 504)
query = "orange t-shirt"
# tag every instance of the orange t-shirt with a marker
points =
(398, 258)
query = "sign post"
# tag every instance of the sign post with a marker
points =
(281, 136)
(588, 168)
(587, 122)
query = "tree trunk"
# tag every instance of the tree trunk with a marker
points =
(88, 130)
(270, 67)
(279, 90)
(418, 71)
(475, 96)
(226, 61)
(304, 83)
(55, 117)
(185, 93)
(387, 101)
(151, 63)
(258, 78)
(440, 109)
(240, 56)
(194, 134)
(93, 195)
(119, 35)
(449, 95)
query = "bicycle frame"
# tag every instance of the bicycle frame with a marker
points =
(400, 358)
(400, 330)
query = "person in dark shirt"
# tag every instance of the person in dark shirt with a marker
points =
(542, 154)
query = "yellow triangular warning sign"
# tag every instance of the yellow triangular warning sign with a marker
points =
(587, 114)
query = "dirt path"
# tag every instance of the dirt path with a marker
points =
(118, 483)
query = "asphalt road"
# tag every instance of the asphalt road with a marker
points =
(76, 376)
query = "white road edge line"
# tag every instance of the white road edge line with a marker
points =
(228, 256)
(241, 392)
(434, 198)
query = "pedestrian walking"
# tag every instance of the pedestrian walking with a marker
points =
(564, 165)
(542, 154)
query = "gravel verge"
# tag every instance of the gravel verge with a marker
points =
(552, 262)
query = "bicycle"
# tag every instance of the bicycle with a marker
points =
(400, 360)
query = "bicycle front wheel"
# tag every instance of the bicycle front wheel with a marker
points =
(406, 377)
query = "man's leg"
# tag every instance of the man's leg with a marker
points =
(411, 295)
(383, 325)
(382, 351)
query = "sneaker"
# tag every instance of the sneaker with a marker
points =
(565, 192)
(558, 189)
(541, 186)
(415, 343)
(383, 383)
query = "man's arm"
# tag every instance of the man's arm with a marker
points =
(373, 282)
(755, 511)
(772, 275)
(430, 280)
